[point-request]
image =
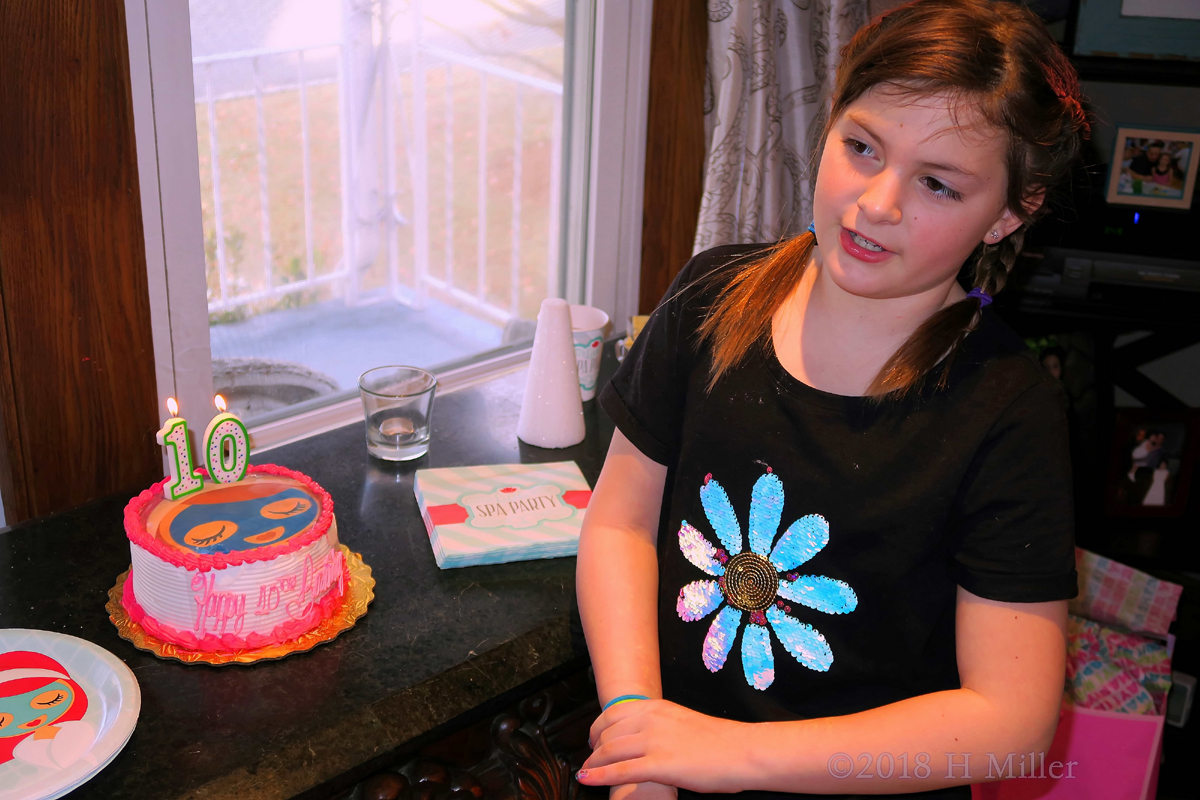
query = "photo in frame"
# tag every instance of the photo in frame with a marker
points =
(1150, 469)
(1154, 167)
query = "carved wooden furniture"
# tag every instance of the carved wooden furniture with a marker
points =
(530, 751)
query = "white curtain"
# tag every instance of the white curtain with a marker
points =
(767, 90)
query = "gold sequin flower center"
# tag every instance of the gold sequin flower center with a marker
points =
(750, 582)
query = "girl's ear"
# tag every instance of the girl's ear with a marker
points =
(1006, 224)
(1009, 222)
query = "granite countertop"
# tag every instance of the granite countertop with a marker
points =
(435, 644)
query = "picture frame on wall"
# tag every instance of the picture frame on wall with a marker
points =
(1154, 167)
(1166, 30)
(1150, 469)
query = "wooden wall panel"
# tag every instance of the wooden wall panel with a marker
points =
(77, 391)
(674, 144)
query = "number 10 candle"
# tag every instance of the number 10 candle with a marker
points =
(174, 436)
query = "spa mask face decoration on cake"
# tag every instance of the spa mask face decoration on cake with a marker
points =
(239, 517)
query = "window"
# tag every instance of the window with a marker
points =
(397, 181)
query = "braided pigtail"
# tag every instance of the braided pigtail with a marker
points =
(940, 337)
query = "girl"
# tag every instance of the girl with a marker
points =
(832, 543)
(1164, 171)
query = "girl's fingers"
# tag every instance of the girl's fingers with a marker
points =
(633, 770)
(616, 748)
(598, 727)
(619, 729)
(611, 717)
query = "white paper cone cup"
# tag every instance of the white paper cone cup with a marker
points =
(552, 409)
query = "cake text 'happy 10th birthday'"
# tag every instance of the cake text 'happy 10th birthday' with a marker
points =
(226, 611)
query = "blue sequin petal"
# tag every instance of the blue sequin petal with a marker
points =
(766, 507)
(698, 599)
(698, 550)
(719, 640)
(820, 592)
(803, 539)
(805, 643)
(720, 515)
(758, 662)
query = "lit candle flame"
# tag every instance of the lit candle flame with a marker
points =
(220, 404)
(172, 406)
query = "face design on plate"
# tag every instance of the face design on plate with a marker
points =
(237, 518)
(26, 712)
(38, 701)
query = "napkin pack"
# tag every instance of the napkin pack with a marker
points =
(504, 512)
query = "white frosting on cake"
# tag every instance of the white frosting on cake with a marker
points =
(250, 598)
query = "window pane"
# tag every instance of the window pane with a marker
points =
(380, 182)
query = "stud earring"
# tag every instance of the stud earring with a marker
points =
(995, 235)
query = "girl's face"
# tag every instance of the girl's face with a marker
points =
(1164, 160)
(903, 198)
(1052, 365)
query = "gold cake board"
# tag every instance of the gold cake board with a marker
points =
(359, 593)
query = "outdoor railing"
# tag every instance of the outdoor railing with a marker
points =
(226, 299)
(345, 276)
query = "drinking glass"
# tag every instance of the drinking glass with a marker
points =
(397, 403)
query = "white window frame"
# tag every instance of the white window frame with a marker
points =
(611, 71)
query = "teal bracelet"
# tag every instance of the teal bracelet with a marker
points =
(625, 698)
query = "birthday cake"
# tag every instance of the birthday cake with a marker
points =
(236, 565)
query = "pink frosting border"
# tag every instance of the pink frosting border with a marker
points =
(204, 562)
(229, 642)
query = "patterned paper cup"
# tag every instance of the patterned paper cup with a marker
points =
(587, 328)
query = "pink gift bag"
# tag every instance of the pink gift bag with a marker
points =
(1095, 754)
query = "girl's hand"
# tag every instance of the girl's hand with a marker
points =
(643, 791)
(659, 741)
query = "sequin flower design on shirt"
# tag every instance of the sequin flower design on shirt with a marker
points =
(760, 583)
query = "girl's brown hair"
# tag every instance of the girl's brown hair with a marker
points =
(991, 56)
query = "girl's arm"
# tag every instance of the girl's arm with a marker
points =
(1011, 660)
(616, 577)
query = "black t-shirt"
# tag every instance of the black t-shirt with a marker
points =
(1142, 164)
(810, 544)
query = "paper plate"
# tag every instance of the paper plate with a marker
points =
(68, 789)
(113, 703)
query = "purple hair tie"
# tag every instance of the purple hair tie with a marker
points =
(985, 299)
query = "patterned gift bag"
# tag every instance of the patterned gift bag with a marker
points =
(1109, 738)
(1108, 670)
(1112, 592)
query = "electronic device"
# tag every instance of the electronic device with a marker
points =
(1179, 702)
(1092, 258)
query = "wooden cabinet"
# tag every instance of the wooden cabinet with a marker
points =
(77, 386)
(529, 751)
